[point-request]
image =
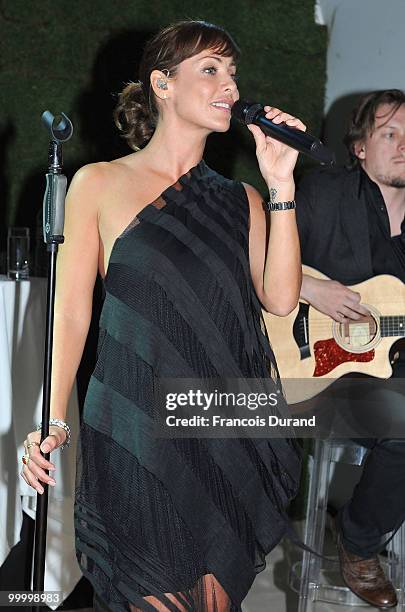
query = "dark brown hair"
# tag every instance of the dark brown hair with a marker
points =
(363, 117)
(136, 113)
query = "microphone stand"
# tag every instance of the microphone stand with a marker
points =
(53, 222)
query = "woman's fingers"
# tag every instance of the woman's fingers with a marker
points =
(260, 138)
(276, 160)
(278, 116)
(256, 131)
(56, 438)
(36, 466)
(38, 469)
(31, 480)
(36, 457)
(294, 122)
(33, 474)
(31, 445)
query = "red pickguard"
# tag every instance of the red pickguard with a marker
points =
(328, 355)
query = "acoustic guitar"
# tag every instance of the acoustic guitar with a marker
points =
(312, 350)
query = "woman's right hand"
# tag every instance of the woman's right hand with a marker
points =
(276, 160)
(34, 472)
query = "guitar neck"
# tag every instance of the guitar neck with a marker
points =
(392, 326)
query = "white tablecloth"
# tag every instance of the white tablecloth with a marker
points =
(22, 333)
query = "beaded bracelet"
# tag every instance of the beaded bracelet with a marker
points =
(63, 425)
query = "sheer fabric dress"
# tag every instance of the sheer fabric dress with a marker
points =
(153, 517)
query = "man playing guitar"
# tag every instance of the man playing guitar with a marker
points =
(352, 228)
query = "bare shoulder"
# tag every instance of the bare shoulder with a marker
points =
(93, 183)
(85, 184)
(93, 177)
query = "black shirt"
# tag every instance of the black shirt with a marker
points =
(387, 252)
(344, 227)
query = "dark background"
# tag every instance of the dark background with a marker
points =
(75, 56)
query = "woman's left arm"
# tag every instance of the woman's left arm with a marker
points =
(274, 248)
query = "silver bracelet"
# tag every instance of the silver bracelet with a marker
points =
(272, 206)
(61, 424)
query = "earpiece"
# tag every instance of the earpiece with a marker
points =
(161, 84)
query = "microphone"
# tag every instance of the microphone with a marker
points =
(252, 112)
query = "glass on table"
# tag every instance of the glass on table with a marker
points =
(18, 249)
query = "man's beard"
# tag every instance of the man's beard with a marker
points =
(392, 181)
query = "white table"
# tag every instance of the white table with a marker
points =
(22, 333)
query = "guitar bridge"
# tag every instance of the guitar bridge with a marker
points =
(301, 330)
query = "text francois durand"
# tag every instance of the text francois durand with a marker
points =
(206, 401)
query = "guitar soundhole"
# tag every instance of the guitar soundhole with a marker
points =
(356, 336)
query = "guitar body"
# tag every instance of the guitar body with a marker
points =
(312, 350)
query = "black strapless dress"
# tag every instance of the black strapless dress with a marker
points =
(157, 517)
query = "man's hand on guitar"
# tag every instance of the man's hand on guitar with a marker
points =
(332, 298)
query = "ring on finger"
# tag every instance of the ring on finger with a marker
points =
(25, 459)
(32, 444)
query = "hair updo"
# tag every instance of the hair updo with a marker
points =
(137, 112)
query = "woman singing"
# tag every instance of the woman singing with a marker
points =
(173, 524)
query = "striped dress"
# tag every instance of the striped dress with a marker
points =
(156, 518)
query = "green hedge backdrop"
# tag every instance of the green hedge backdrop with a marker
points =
(73, 56)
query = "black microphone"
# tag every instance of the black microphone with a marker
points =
(252, 112)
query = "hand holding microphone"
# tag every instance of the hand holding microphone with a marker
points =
(282, 127)
(276, 159)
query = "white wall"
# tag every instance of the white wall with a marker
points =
(366, 51)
